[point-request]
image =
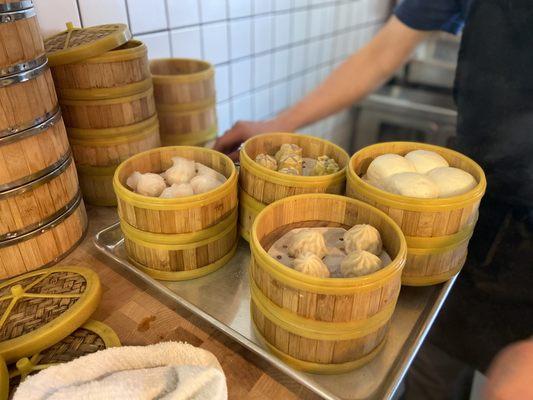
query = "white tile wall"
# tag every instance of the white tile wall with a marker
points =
(267, 53)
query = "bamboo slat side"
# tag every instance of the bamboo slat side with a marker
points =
(20, 42)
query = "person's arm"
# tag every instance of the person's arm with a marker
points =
(359, 75)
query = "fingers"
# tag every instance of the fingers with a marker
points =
(230, 140)
(234, 155)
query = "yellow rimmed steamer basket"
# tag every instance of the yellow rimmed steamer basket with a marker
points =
(181, 238)
(260, 186)
(437, 231)
(185, 97)
(322, 325)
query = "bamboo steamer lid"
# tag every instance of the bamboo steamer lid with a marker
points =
(89, 338)
(76, 44)
(40, 308)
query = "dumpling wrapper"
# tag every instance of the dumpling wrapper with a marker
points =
(177, 190)
(359, 263)
(363, 237)
(150, 184)
(133, 180)
(452, 181)
(202, 169)
(412, 184)
(204, 183)
(307, 241)
(311, 264)
(182, 171)
(425, 160)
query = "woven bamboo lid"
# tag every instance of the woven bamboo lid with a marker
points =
(89, 338)
(76, 44)
(42, 307)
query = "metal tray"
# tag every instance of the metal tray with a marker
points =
(222, 299)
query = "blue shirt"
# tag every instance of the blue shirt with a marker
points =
(434, 15)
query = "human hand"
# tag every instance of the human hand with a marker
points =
(243, 130)
(511, 372)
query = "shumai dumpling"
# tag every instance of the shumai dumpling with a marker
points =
(359, 263)
(202, 169)
(177, 190)
(307, 241)
(363, 237)
(204, 183)
(291, 161)
(412, 184)
(289, 171)
(387, 165)
(267, 161)
(150, 184)
(425, 160)
(182, 171)
(325, 166)
(132, 180)
(287, 149)
(311, 264)
(452, 181)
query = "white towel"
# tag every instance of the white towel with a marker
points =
(164, 371)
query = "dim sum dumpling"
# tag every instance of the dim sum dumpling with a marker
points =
(150, 184)
(412, 184)
(387, 165)
(267, 161)
(425, 160)
(204, 183)
(291, 161)
(311, 264)
(452, 181)
(307, 241)
(287, 149)
(202, 169)
(325, 166)
(132, 180)
(177, 190)
(359, 263)
(182, 171)
(363, 237)
(289, 171)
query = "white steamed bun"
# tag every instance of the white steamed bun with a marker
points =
(363, 237)
(412, 184)
(452, 181)
(132, 180)
(177, 190)
(150, 184)
(387, 165)
(425, 160)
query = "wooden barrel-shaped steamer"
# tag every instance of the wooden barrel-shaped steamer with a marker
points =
(46, 245)
(26, 99)
(38, 202)
(437, 230)
(96, 184)
(116, 68)
(21, 45)
(185, 97)
(322, 325)
(180, 238)
(266, 186)
(32, 153)
(108, 107)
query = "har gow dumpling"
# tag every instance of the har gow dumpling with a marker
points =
(412, 184)
(307, 241)
(150, 184)
(452, 181)
(132, 180)
(177, 190)
(363, 237)
(425, 160)
(385, 166)
(204, 183)
(359, 263)
(311, 264)
(182, 171)
(202, 169)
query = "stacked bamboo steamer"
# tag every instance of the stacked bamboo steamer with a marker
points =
(106, 95)
(42, 216)
(185, 98)
(322, 325)
(437, 231)
(179, 238)
(260, 186)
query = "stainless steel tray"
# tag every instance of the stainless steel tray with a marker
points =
(222, 299)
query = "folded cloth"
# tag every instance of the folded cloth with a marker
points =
(164, 371)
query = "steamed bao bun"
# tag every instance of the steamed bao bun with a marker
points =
(412, 184)
(385, 166)
(451, 181)
(425, 160)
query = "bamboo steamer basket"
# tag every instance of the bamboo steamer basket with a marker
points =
(96, 184)
(266, 186)
(248, 210)
(21, 45)
(179, 215)
(26, 99)
(182, 256)
(46, 245)
(30, 206)
(4, 380)
(187, 127)
(118, 67)
(32, 153)
(437, 230)
(97, 109)
(43, 307)
(322, 325)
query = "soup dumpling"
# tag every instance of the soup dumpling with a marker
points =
(363, 237)
(412, 184)
(452, 181)
(359, 263)
(311, 264)
(307, 241)
(425, 160)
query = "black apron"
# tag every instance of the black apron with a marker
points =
(491, 304)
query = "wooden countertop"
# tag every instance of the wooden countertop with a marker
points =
(140, 317)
